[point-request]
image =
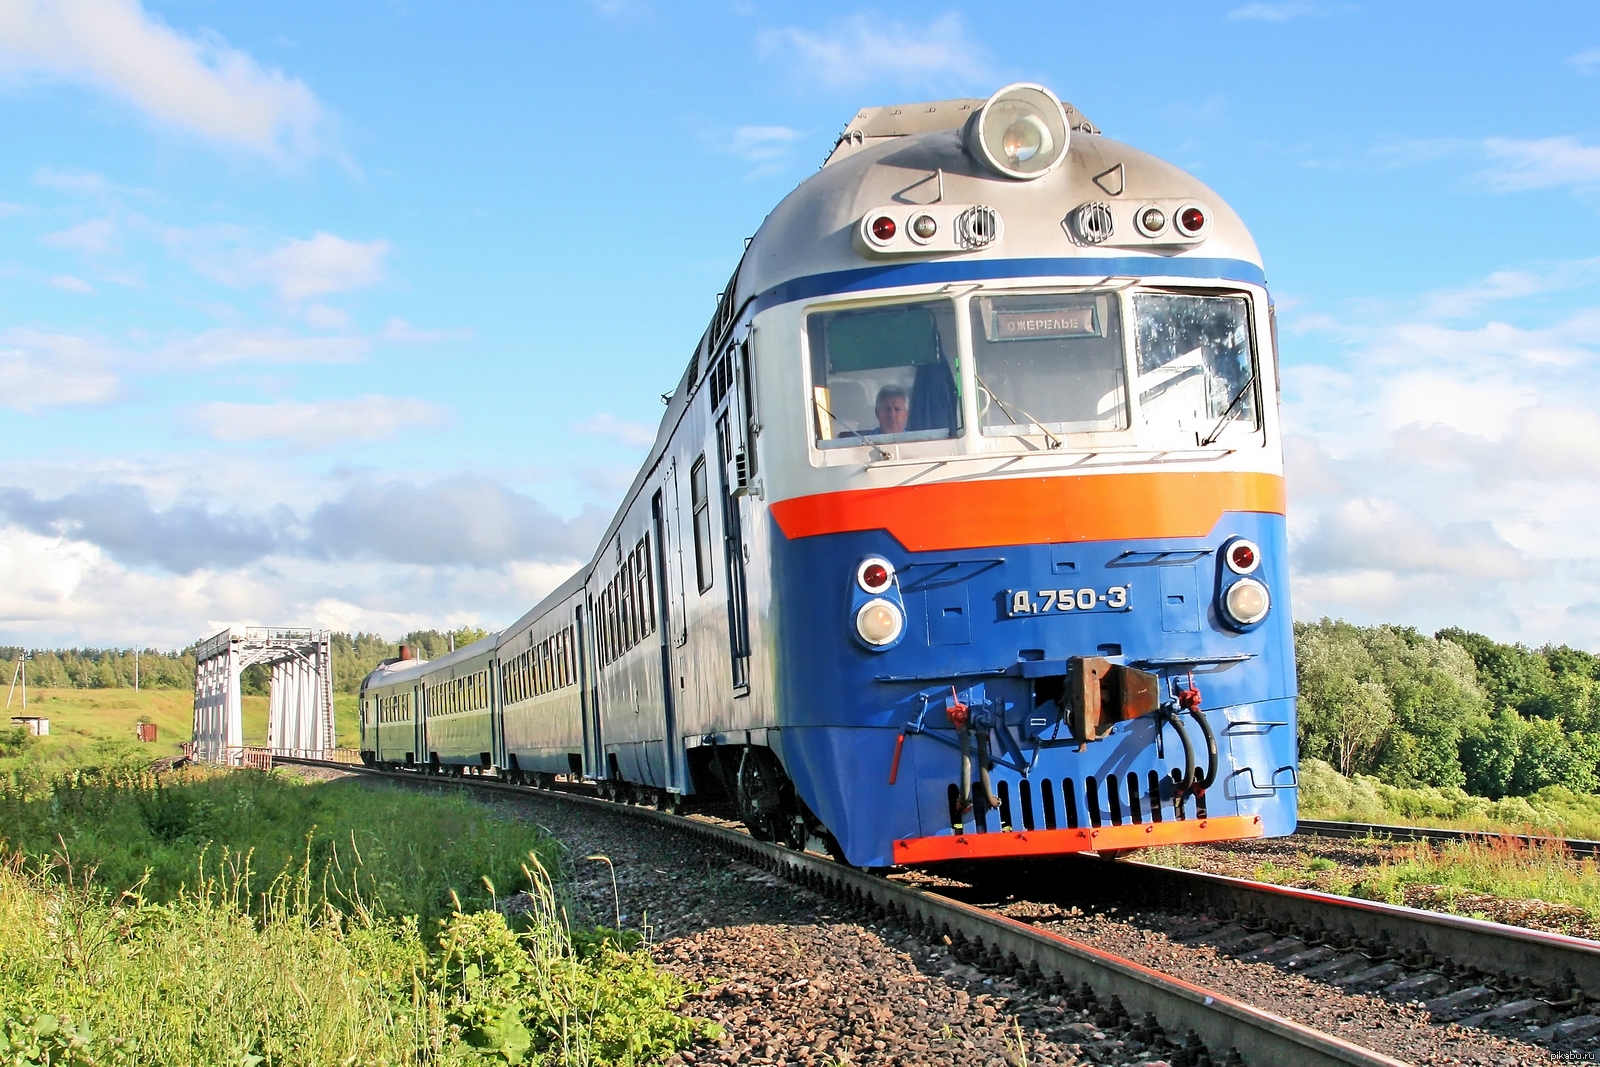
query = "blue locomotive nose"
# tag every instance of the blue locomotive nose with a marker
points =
(1041, 698)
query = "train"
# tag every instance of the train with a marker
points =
(962, 536)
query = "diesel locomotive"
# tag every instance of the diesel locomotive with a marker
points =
(962, 535)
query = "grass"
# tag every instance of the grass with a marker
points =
(1553, 811)
(96, 726)
(214, 917)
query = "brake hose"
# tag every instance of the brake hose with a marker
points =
(1189, 700)
(1211, 750)
(1164, 716)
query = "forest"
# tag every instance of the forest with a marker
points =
(1456, 709)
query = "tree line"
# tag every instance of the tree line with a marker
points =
(354, 657)
(1454, 709)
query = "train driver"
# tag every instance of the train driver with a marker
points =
(892, 409)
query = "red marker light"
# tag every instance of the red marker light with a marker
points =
(1244, 557)
(1192, 219)
(883, 228)
(875, 576)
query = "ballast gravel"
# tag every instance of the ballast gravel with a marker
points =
(795, 978)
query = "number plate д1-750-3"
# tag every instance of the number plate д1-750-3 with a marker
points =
(1021, 602)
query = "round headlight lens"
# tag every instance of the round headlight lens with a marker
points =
(1247, 602)
(1152, 220)
(1243, 556)
(879, 622)
(924, 226)
(1022, 131)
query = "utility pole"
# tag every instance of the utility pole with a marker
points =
(21, 671)
(136, 670)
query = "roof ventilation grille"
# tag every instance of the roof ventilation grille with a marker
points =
(977, 226)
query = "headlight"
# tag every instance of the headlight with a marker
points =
(879, 622)
(1247, 601)
(1021, 131)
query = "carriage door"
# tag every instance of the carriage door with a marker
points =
(594, 758)
(665, 548)
(730, 398)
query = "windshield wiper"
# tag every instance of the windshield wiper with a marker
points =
(1055, 442)
(1227, 413)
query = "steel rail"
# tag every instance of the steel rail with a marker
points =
(1515, 955)
(1317, 828)
(1002, 944)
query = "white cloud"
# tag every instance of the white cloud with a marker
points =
(633, 434)
(318, 424)
(73, 181)
(196, 84)
(324, 264)
(1543, 163)
(71, 284)
(866, 50)
(264, 346)
(7, 209)
(323, 317)
(401, 330)
(1449, 474)
(1276, 12)
(92, 237)
(42, 370)
(762, 143)
(1586, 62)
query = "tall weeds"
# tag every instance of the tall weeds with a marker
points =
(315, 961)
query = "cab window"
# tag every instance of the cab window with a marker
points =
(884, 374)
(1049, 362)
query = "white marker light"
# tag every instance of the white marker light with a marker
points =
(879, 622)
(1247, 602)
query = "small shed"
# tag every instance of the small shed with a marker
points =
(147, 731)
(37, 725)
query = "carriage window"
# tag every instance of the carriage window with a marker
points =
(702, 523)
(1195, 369)
(884, 374)
(1049, 362)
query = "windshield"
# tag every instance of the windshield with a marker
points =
(1050, 361)
(1195, 371)
(884, 374)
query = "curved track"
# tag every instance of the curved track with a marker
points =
(1317, 828)
(992, 942)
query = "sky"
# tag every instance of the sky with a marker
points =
(357, 314)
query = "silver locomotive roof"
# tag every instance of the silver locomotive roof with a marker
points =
(915, 154)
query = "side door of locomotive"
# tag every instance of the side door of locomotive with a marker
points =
(672, 628)
(732, 409)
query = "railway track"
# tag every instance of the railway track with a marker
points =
(1316, 828)
(1545, 974)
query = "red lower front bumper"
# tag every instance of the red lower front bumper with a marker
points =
(913, 850)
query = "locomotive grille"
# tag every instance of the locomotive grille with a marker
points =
(976, 227)
(1094, 223)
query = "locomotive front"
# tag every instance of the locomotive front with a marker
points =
(1026, 587)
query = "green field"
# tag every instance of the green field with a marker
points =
(84, 721)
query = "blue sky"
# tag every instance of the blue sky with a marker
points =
(358, 313)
